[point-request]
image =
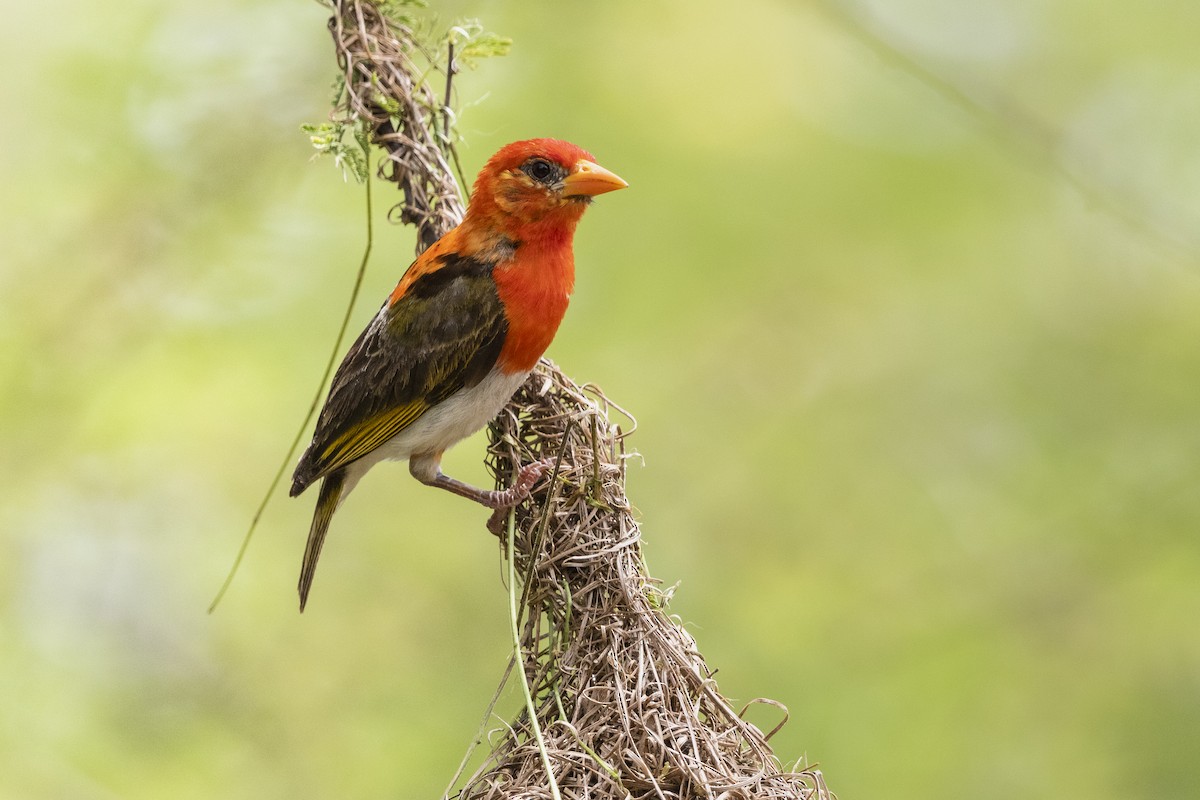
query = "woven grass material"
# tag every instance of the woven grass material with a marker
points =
(626, 704)
(387, 75)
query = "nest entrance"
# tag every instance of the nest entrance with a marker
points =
(626, 706)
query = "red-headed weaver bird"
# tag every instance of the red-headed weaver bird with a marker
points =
(458, 335)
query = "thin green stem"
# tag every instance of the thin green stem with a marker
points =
(316, 401)
(544, 525)
(516, 634)
(482, 731)
(604, 765)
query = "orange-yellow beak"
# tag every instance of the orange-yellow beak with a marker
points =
(590, 179)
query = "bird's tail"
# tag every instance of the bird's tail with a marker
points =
(327, 502)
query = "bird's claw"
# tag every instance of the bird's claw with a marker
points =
(526, 478)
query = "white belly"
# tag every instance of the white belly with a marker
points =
(449, 422)
(455, 418)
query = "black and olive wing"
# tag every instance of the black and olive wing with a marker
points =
(443, 334)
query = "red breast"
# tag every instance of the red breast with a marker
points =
(535, 287)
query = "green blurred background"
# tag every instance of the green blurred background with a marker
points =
(919, 419)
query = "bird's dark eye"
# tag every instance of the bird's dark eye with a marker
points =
(540, 170)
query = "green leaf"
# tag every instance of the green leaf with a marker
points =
(397, 11)
(472, 43)
(329, 138)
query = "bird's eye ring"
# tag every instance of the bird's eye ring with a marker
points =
(539, 169)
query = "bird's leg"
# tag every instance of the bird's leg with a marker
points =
(427, 469)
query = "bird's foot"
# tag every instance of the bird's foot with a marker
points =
(499, 500)
(509, 497)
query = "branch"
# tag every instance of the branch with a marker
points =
(1020, 131)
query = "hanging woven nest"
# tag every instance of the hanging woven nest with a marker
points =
(626, 705)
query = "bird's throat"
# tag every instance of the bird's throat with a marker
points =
(535, 287)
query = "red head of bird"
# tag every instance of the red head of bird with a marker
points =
(538, 188)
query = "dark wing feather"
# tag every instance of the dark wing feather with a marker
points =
(444, 334)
